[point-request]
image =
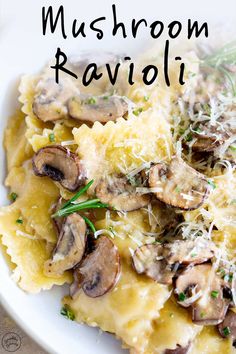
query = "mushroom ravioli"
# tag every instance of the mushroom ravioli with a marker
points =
(128, 194)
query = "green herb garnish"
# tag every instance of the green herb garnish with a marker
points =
(233, 147)
(181, 297)
(214, 294)
(137, 111)
(71, 207)
(202, 314)
(226, 331)
(177, 189)
(91, 100)
(66, 312)
(19, 221)
(13, 196)
(211, 183)
(188, 137)
(193, 255)
(89, 223)
(52, 137)
(220, 59)
(146, 98)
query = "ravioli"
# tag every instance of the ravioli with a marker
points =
(138, 310)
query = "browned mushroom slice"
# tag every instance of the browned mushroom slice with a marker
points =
(120, 194)
(210, 135)
(99, 108)
(149, 260)
(178, 184)
(59, 164)
(178, 350)
(70, 247)
(189, 251)
(201, 288)
(165, 216)
(50, 102)
(99, 271)
(227, 328)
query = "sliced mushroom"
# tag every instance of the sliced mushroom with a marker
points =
(200, 288)
(61, 165)
(99, 271)
(50, 103)
(209, 310)
(98, 108)
(70, 247)
(187, 252)
(227, 328)
(209, 135)
(165, 216)
(179, 184)
(120, 194)
(149, 260)
(178, 350)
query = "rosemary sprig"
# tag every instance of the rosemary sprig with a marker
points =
(89, 223)
(220, 59)
(71, 207)
(78, 194)
(224, 55)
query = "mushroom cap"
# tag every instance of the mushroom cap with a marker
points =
(149, 260)
(97, 108)
(187, 252)
(50, 103)
(230, 322)
(120, 194)
(99, 272)
(206, 309)
(180, 185)
(59, 164)
(211, 135)
(70, 246)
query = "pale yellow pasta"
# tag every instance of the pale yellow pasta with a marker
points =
(139, 311)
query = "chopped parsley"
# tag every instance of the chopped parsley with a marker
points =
(211, 183)
(197, 130)
(214, 294)
(177, 189)
(146, 98)
(13, 196)
(52, 137)
(202, 314)
(182, 297)
(66, 312)
(181, 131)
(91, 100)
(137, 111)
(188, 137)
(228, 278)
(207, 108)
(226, 331)
(105, 98)
(233, 147)
(193, 254)
(19, 221)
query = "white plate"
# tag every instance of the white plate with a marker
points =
(23, 49)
